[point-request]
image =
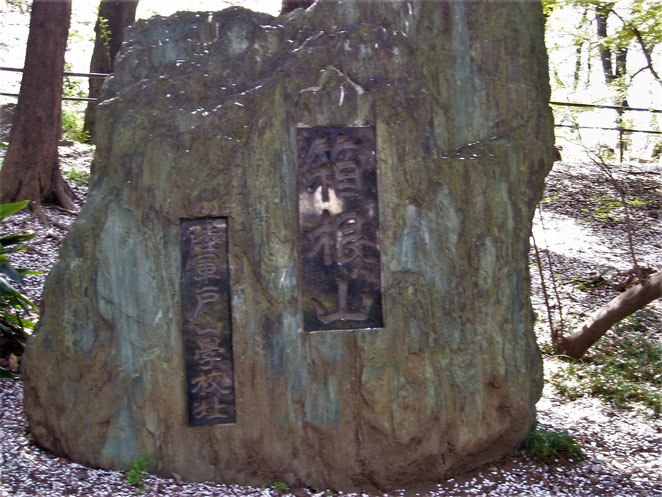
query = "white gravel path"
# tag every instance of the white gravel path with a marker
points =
(623, 459)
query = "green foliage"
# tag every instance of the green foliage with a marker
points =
(73, 120)
(587, 284)
(548, 445)
(14, 327)
(620, 39)
(106, 35)
(606, 208)
(23, 6)
(634, 24)
(279, 485)
(73, 113)
(657, 150)
(548, 7)
(136, 475)
(624, 367)
(5, 374)
(78, 177)
(550, 199)
(71, 87)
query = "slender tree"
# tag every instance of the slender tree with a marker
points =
(114, 16)
(612, 71)
(31, 167)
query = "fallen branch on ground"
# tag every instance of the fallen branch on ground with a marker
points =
(622, 306)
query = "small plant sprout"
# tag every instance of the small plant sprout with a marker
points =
(279, 485)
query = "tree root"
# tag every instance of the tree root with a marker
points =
(62, 226)
(40, 214)
(52, 234)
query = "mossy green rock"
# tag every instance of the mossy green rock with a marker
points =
(200, 119)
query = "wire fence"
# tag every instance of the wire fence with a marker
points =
(558, 125)
(97, 75)
(618, 108)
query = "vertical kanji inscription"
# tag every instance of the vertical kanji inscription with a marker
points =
(339, 228)
(207, 325)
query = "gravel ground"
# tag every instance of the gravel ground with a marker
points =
(622, 460)
(623, 448)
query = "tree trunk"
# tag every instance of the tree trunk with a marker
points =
(114, 17)
(602, 12)
(31, 167)
(613, 72)
(622, 306)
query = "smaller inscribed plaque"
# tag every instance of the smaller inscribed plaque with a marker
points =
(339, 228)
(207, 332)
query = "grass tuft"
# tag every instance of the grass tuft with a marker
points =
(547, 445)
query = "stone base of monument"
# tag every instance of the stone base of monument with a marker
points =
(304, 254)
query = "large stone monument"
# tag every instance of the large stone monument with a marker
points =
(304, 254)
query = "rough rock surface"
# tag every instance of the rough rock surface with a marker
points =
(200, 120)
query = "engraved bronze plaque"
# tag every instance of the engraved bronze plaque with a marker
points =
(339, 228)
(207, 325)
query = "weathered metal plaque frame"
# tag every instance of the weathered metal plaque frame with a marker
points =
(339, 228)
(206, 321)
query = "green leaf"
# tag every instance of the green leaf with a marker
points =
(636, 201)
(15, 238)
(5, 373)
(12, 319)
(6, 290)
(12, 208)
(15, 333)
(11, 272)
(13, 297)
(12, 250)
(29, 271)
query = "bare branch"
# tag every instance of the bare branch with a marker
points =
(621, 190)
(642, 44)
(553, 333)
(622, 306)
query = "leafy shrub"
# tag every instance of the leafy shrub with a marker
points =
(13, 304)
(136, 475)
(548, 445)
(73, 112)
(78, 176)
(73, 120)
